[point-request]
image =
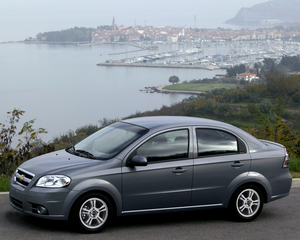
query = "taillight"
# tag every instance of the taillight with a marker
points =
(286, 160)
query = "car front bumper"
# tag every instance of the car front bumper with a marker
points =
(31, 200)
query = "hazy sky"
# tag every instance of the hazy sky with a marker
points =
(20, 19)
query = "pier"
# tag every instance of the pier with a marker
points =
(150, 60)
(141, 48)
(119, 53)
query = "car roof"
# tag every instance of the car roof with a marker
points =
(156, 123)
(173, 121)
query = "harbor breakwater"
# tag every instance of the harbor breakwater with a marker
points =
(121, 64)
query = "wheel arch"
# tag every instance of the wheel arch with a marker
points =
(100, 186)
(252, 178)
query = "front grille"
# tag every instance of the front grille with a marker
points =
(23, 177)
(17, 203)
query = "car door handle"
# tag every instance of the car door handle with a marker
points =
(237, 164)
(179, 170)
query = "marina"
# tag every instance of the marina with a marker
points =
(210, 55)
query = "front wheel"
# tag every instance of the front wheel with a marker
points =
(246, 203)
(92, 212)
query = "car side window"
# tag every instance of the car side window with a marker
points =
(214, 142)
(165, 146)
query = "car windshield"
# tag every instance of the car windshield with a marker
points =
(109, 141)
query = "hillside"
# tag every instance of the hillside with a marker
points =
(269, 13)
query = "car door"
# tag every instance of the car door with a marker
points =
(221, 161)
(167, 179)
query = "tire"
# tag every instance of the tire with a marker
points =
(246, 203)
(92, 213)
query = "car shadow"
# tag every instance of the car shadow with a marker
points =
(24, 221)
(171, 218)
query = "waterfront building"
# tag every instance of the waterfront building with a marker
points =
(246, 76)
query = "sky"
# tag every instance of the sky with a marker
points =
(20, 19)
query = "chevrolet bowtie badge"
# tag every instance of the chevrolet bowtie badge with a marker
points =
(21, 178)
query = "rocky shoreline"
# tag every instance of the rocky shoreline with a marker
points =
(160, 89)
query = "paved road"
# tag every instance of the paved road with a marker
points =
(278, 220)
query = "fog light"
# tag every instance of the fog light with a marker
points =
(41, 210)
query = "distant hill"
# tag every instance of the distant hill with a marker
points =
(269, 13)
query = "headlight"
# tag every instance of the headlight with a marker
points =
(55, 181)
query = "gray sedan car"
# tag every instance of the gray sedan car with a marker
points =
(151, 165)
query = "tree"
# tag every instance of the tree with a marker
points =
(12, 156)
(274, 128)
(269, 64)
(279, 85)
(75, 34)
(174, 79)
(291, 62)
(233, 71)
(258, 66)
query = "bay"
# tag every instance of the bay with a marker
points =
(61, 86)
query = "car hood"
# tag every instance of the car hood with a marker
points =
(59, 162)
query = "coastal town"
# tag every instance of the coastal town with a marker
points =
(183, 47)
(183, 34)
(200, 48)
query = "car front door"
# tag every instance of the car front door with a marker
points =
(222, 160)
(166, 181)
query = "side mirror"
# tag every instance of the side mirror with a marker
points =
(137, 161)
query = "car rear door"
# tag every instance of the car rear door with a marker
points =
(221, 161)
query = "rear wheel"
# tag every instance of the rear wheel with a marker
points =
(92, 213)
(246, 203)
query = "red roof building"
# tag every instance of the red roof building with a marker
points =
(246, 76)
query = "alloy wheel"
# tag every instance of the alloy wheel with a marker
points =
(248, 203)
(93, 213)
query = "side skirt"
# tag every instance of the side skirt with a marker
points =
(171, 209)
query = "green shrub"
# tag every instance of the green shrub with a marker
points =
(294, 164)
(4, 183)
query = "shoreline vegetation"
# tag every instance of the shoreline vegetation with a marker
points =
(197, 87)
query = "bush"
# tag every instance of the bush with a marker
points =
(273, 128)
(264, 106)
(4, 183)
(12, 156)
(294, 164)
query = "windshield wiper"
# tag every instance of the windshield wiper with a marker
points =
(80, 152)
(88, 154)
(71, 150)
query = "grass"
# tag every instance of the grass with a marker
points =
(199, 87)
(295, 165)
(295, 174)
